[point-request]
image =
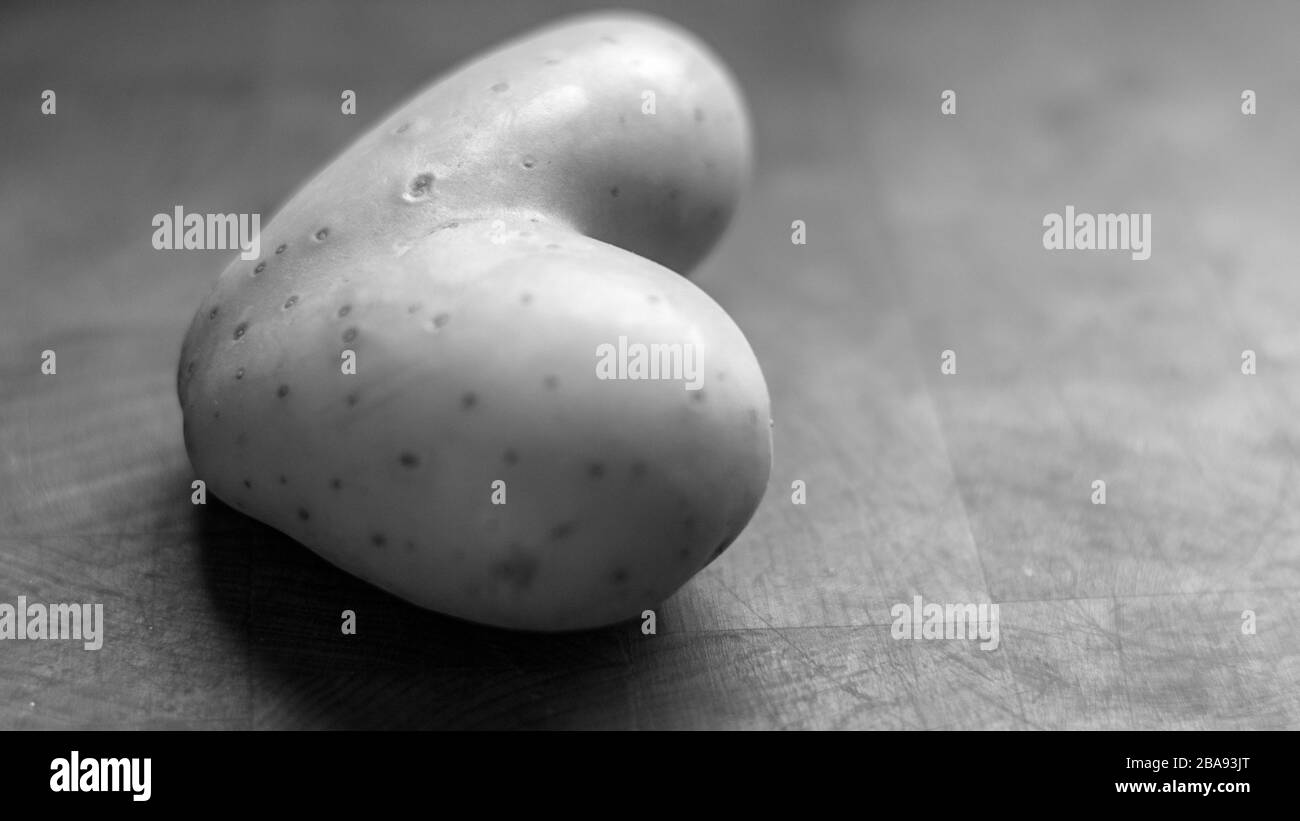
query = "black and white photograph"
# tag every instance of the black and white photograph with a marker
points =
(719, 365)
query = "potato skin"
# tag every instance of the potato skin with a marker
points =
(474, 289)
(553, 123)
(617, 491)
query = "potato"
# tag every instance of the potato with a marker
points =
(418, 379)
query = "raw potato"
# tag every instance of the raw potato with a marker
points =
(474, 250)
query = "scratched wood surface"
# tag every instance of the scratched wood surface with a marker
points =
(923, 235)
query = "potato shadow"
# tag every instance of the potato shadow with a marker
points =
(406, 667)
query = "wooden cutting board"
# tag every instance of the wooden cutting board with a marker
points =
(923, 235)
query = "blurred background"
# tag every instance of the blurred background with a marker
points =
(923, 234)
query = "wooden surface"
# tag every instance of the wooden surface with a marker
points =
(923, 235)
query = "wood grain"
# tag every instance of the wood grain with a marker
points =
(924, 235)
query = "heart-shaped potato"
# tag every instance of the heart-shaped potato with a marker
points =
(461, 370)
